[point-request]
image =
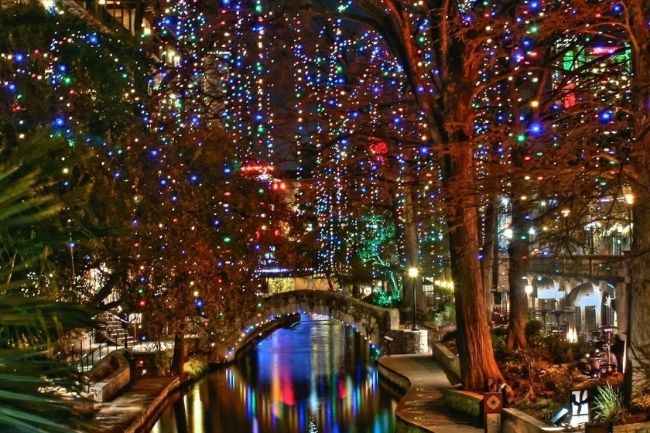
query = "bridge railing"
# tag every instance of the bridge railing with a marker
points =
(605, 267)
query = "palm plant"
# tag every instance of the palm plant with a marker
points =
(608, 405)
(31, 319)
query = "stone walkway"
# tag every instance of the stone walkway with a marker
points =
(118, 415)
(423, 404)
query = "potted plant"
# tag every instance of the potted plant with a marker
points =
(607, 410)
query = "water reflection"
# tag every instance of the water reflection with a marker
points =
(316, 372)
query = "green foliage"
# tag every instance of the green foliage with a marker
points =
(499, 340)
(376, 248)
(383, 299)
(446, 312)
(30, 321)
(162, 360)
(195, 367)
(560, 351)
(608, 405)
(533, 330)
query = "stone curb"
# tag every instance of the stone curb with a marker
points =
(152, 409)
(448, 360)
(406, 424)
(403, 384)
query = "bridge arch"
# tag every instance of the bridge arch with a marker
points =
(370, 321)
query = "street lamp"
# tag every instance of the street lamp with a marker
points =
(413, 272)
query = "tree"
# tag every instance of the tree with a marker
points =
(442, 78)
(635, 16)
(87, 86)
(207, 216)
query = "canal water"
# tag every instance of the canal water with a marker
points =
(316, 376)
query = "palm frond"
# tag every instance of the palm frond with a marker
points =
(31, 377)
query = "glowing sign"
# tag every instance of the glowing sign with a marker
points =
(599, 51)
(379, 148)
(257, 168)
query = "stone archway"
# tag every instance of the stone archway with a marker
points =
(370, 321)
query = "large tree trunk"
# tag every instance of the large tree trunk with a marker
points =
(639, 305)
(478, 367)
(411, 285)
(490, 264)
(638, 337)
(517, 253)
(180, 353)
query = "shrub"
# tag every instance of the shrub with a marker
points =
(499, 345)
(533, 330)
(449, 336)
(560, 351)
(195, 367)
(641, 403)
(608, 405)
(161, 362)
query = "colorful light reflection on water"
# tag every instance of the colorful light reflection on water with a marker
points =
(318, 371)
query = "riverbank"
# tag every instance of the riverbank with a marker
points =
(422, 408)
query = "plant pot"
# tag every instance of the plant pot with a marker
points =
(599, 428)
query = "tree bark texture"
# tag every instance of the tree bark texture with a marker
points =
(490, 263)
(639, 297)
(638, 13)
(478, 367)
(411, 285)
(517, 253)
(180, 353)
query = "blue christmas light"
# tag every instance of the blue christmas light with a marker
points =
(535, 128)
(605, 115)
(59, 122)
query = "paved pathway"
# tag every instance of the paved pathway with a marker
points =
(423, 404)
(117, 415)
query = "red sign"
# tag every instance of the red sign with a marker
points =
(492, 407)
(379, 148)
(257, 168)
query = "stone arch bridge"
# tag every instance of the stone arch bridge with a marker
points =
(370, 321)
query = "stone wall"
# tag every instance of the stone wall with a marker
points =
(465, 402)
(516, 421)
(448, 360)
(111, 375)
(643, 427)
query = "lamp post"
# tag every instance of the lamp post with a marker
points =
(629, 200)
(413, 272)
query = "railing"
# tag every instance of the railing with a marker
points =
(604, 267)
(86, 357)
